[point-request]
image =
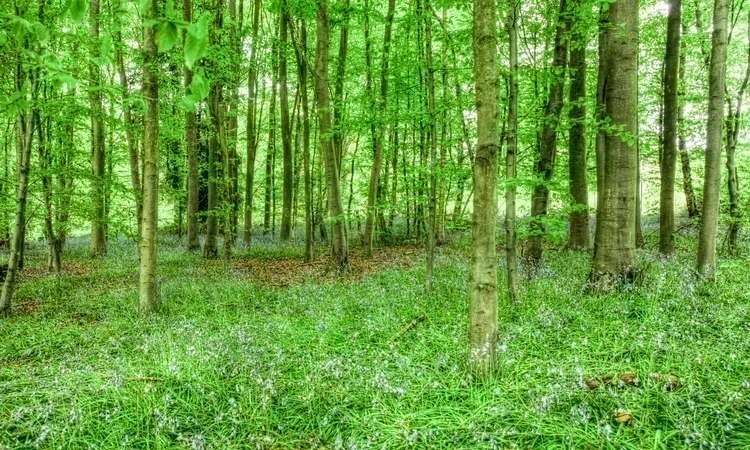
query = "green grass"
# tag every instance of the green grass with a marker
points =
(230, 364)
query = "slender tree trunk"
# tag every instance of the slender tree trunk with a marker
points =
(511, 252)
(302, 71)
(286, 137)
(25, 139)
(251, 124)
(712, 178)
(614, 245)
(149, 296)
(377, 162)
(580, 236)
(548, 144)
(98, 238)
(232, 163)
(432, 132)
(338, 99)
(191, 142)
(339, 238)
(268, 209)
(734, 123)
(483, 305)
(687, 178)
(45, 166)
(668, 163)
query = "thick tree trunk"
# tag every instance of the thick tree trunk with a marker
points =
(614, 245)
(286, 136)
(339, 238)
(545, 165)
(580, 236)
(98, 219)
(149, 295)
(483, 305)
(712, 179)
(251, 125)
(511, 252)
(668, 163)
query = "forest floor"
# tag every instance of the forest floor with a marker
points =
(265, 351)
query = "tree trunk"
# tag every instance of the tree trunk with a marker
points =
(483, 305)
(580, 236)
(614, 244)
(511, 252)
(149, 295)
(668, 163)
(268, 209)
(251, 124)
(734, 124)
(339, 238)
(302, 70)
(377, 161)
(687, 178)
(548, 145)
(286, 137)
(98, 219)
(712, 178)
(432, 131)
(210, 247)
(191, 142)
(25, 138)
(338, 99)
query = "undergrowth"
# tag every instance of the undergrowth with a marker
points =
(231, 363)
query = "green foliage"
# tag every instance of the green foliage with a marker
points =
(167, 35)
(77, 10)
(196, 41)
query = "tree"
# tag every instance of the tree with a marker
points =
(712, 178)
(302, 70)
(668, 160)
(483, 305)
(580, 236)
(149, 296)
(191, 142)
(286, 136)
(614, 243)
(432, 136)
(251, 123)
(511, 257)
(548, 145)
(98, 220)
(339, 238)
(377, 160)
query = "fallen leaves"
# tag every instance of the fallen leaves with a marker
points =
(625, 418)
(628, 379)
(293, 271)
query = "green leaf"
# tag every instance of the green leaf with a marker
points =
(199, 88)
(166, 36)
(196, 43)
(77, 10)
(40, 32)
(105, 48)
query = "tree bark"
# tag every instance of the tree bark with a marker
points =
(377, 161)
(149, 298)
(580, 236)
(432, 135)
(98, 219)
(251, 124)
(712, 179)
(614, 245)
(483, 304)
(734, 123)
(687, 177)
(668, 163)
(339, 238)
(286, 137)
(302, 71)
(545, 165)
(191, 142)
(511, 252)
